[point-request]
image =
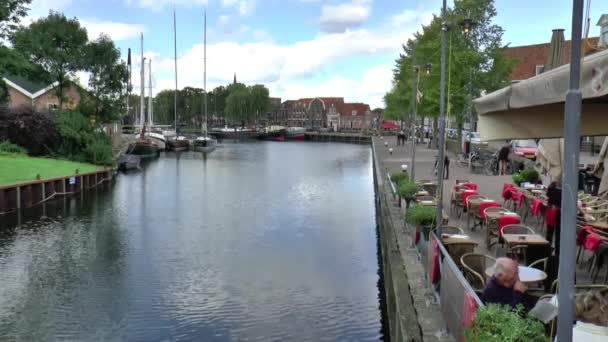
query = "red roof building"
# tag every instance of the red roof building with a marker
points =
(530, 59)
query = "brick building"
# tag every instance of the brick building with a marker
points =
(41, 97)
(530, 59)
(323, 112)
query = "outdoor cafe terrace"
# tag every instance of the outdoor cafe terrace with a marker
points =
(486, 217)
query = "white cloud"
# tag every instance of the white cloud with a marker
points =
(287, 69)
(244, 7)
(116, 31)
(157, 5)
(338, 18)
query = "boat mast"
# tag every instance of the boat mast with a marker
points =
(150, 112)
(205, 75)
(142, 84)
(175, 66)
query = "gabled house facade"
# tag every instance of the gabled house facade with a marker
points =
(39, 96)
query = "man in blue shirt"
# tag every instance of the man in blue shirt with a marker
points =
(505, 287)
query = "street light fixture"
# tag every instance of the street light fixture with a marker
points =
(427, 68)
(467, 26)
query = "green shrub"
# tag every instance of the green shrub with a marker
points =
(529, 175)
(399, 177)
(517, 179)
(498, 323)
(407, 190)
(7, 148)
(81, 142)
(421, 215)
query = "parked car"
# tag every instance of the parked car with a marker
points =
(474, 138)
(526, 148)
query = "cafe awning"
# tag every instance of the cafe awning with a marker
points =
(534, 108)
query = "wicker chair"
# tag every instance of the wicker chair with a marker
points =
(492, 226)
(469, 212)
(425, 198)
(451, 230)
(516, 229)
(475, 267)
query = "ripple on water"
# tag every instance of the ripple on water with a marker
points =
(253, 243)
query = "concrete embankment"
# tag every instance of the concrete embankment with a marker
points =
(411, 309)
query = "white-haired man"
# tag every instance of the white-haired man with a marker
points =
(505, 287)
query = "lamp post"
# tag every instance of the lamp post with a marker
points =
(572, 123)
(467, 25)
(440, 161)
(415, 71)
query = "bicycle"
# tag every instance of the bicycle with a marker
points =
(490, 166)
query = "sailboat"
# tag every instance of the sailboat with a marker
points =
(143, 146)
(178, 143)
(157, 138)
(204, 143)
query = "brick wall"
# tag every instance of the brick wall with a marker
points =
(17, 99)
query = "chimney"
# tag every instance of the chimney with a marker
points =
(603, 24)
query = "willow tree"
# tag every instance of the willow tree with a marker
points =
(475, 62)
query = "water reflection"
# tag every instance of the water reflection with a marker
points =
(260, 241)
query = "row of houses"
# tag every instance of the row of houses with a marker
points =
(323, 112)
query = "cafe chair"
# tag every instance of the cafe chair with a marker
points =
(492, 225)
(425, 198)
(470, 213)
(452, 230)
(515, 229)
(431, 188)
(474, 269)
(462, 181)
(518, 253)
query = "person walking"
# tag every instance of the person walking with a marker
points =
(503, 159)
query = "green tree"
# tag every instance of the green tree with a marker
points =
(260, 100)
(475, 63)
(11, 11)
(238, 104)
(57, 44)
(217, 100)
(107, 80)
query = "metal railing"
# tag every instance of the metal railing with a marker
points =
(457, 299)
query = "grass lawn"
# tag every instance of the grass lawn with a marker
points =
(18, 168)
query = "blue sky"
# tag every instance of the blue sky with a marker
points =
(298, 48)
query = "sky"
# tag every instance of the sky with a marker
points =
(297, 48)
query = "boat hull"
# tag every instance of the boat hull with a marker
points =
(144, 148)
(178, 145)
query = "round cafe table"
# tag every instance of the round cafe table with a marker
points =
(526, 274)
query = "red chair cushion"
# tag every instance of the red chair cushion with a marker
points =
(487, 204)
(506, 191)
(582, 234)
(465, 195)
(592, 242)
(536, 205)
(506, 220)
(470, 186)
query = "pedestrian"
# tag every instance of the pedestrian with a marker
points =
(503, 159)
(446, 167)
(554, 201)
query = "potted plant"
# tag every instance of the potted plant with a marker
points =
(407, 190)
(423, 217)
(517, 179)
(399, 177)
(497, 323)
(529, 176)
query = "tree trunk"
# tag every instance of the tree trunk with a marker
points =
(435, 132)
(459, 148)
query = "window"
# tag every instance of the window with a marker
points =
(354, 113)
(53, 107)
(539, 69)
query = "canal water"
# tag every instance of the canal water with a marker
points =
(254, 242)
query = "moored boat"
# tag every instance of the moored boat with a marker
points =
(203, 144)
(158, 139)
(295, 133)
(178, 144)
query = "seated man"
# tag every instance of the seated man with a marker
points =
(504, 287)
